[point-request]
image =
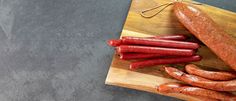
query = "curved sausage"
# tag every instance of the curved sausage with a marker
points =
(206, 30)
(212, 75)
(201, 82)
(176, 88)
(195, 91)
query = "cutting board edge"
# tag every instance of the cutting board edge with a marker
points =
(114, 82)
(172, 95)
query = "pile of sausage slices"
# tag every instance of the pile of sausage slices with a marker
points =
(172, 49)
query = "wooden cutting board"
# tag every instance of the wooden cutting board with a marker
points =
(164, 23)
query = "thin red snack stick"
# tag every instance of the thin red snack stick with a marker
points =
(127, 56)
(162, 61)
(114, 42)
(178, 37)
(160, 43)
(158, 50)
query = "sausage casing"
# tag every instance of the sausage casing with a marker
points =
(206, 30)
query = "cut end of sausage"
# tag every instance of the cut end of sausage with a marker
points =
(118, 50)
(114, 42)
(132, 67)
(197, 57)
(122, 56)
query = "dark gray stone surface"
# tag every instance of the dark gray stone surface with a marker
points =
(55, 50)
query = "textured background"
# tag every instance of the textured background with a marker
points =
(55, 50)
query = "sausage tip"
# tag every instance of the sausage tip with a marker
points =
(114, 42)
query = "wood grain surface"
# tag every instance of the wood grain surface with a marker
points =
(164, 23)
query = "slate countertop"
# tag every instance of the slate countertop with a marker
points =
(55, 50)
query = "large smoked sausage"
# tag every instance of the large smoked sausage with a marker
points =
(201, 82)
(206, 30)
